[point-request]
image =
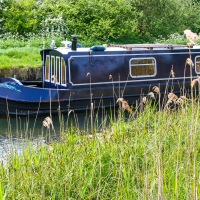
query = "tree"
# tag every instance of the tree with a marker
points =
(111, 20)
(20, 16)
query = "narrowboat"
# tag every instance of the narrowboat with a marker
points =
(75, 77)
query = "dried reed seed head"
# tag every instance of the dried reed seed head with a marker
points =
(47, 122)
(191, 37)
(189, 62)
(197, 80)
(169, 102)
(120, 100)
(193, 82)
(144, 100)
(54, 79)
(172, 73)
(179, 101)
(125, 105)
(151, 94)
(183, 97)
(88, 74)
(90, 136)
(172, 96)
(156, 89)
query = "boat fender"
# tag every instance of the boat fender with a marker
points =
(98, 48)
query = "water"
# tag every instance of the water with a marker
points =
(15, 132)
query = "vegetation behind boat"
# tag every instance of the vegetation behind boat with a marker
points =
(115, 21)
(20, 56)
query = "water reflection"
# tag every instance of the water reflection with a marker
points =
(14, 131)
(17, 146)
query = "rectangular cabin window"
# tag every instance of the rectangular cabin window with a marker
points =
(142, 67)
(47, 68)
(197, 64)
(53, 75)
(58, 69)
(63, 71)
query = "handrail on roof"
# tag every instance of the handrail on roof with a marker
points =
(149, 46)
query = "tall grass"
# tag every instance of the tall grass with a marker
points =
(148, 157)
(152, 154)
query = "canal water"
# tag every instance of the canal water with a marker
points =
(15, 132)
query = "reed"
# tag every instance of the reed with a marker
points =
(148, 157)
(145, 153)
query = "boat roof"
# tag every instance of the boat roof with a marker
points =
(129, 47)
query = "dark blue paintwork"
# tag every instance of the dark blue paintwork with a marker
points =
(100, 73)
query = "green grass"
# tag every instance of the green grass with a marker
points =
(18, 51)
(20, 57)
(153, 156)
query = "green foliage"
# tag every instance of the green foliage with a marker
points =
(148, 157)
(34, 23)
(104, 21)
(20, 57)
(174, 38)
(20, 16)
(100, 20)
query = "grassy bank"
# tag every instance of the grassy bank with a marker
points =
(18, 51)
(20, 57)
(153, 156)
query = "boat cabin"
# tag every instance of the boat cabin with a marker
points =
(74, 77)
(132, 65)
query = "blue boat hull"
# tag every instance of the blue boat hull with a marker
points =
(75, 79)
(18, 99)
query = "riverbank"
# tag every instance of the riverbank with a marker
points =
(23, 74)
(153, 156)
(24, 63)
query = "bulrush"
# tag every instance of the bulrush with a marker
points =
(172, 97)
(181, 100)
(191, 37)
(125, 105)
(88, 74)
(172, 73)
(183, 97)
(47, 122)
(144, 100)
(151, 95)
(197, 80)
(190, 62)
(54, 79)
(156, 89)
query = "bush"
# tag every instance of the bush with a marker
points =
(100, 20)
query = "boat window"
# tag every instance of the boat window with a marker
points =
(142, 67)
(47, 68)
(58, 69)
(197, 64)
(53, 76)
(63, 76)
